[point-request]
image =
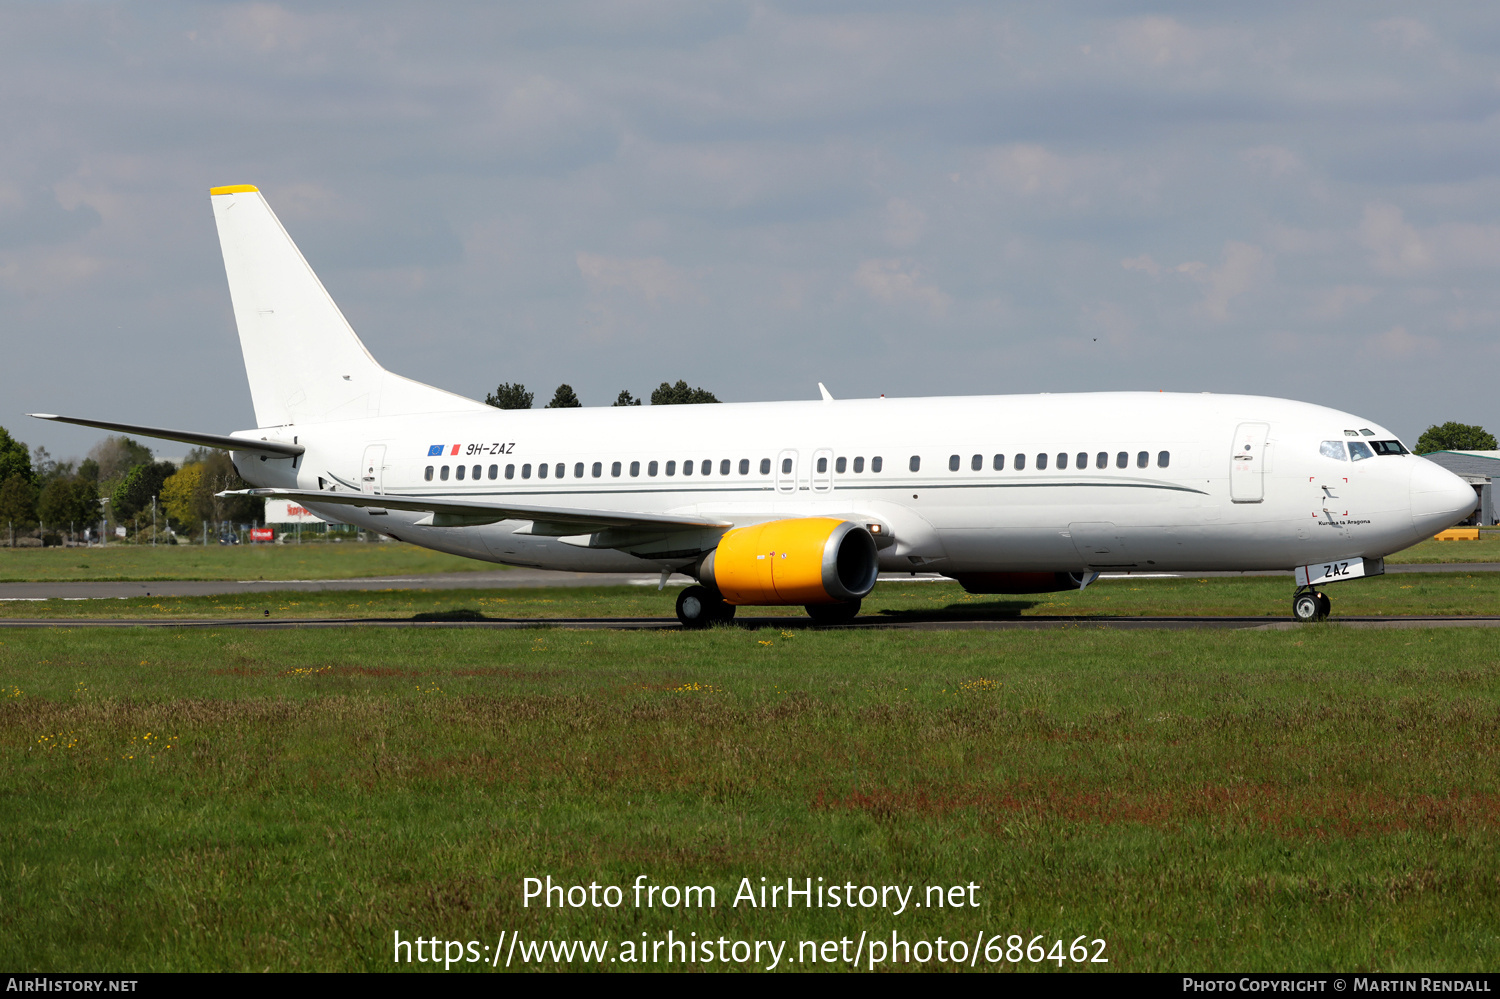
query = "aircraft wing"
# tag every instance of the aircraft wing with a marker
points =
(546, 520)
(269, 448)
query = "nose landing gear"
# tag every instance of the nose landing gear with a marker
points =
(1311, 605)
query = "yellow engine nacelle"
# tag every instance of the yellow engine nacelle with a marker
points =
(809, 560)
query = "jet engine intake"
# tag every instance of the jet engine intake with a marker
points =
(806, 560)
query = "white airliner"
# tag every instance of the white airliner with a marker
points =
(804, 503)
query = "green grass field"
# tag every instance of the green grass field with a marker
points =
(1461, 594)
(1486, 549)
(323, 560)
(1314, 799)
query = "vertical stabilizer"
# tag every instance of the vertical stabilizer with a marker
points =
(304, 361)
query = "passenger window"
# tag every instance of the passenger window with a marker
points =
(1081, 461)
(614, 470)
(428, 474)
(561, 468)
(526, 470)
(999, 462)
(542, 469)
(494, 471)
(744, 466)
(708, 467)
(1142, 459)
(475, 473)
(1163, 459)
(443, 473)
(1122, 460)
(876, 462)
(1062, 460)
(976, 463)
(786, 466)
(651, 468)
(671, 468)
(859, 464)
(822, 465)
(723, 467)
(510, 471)
(598, 469)
(1020, 463)
(459, 473)
(1101, 460)
(1359, 452)
(1333, 449)
(952, 463)
(687, 468)
(916, 463)
(1041, 462)
(765, 466)
(841, 465)
(635, 469)
(578, 470)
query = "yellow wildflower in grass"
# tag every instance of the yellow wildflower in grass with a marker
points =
(979, 684)
(788, 634)
(693, 686)
(306, 671)
(12, 692)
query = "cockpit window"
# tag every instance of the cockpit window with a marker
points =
(1388, 447)
(1334, 450)
(1359, 451)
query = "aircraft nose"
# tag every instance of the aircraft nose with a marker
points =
(1439, 499)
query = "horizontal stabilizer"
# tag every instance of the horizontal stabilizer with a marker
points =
(263, 446)
(448, 513)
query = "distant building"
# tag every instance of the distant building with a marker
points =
(1478, 469)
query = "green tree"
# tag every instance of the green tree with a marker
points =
(17, 504)
(217, 474)
(88, 470)
(625, 399)
(68, 500)
(115, 456)
(564, 398)
(15, 458)
(1455, 437)
(509, 396)
(141, 483)
(680, 395)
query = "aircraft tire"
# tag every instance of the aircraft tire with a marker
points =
(1307, 607)
(840, 613)
(1325, 606)
(700, 607)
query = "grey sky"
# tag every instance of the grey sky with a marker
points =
(1286, 199)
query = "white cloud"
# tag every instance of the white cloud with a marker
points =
(897, 282)
(1244, 265)
(1397, 342)
(1142, 263)
(1400, 249)
(1276, 161)
(1331, 303)
(651, 278)
(1160, 41)
(1405, 32)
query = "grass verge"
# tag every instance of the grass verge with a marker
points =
(1308, 800)
(322, 560)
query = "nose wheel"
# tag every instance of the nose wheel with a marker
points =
(1311, 605)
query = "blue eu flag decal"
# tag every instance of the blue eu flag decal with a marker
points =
(435, 450)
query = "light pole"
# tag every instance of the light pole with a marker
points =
(104, 521)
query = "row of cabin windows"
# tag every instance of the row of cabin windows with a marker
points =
(840, 465)
(616, 469)
(1079, 461)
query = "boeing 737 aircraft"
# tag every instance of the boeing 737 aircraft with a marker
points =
(804, 503)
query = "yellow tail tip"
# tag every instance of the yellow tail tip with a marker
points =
(233, 189)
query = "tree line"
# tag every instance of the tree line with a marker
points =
(515, 396)
(43, 497)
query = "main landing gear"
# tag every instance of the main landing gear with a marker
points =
(1311, 605)
(700, 607)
